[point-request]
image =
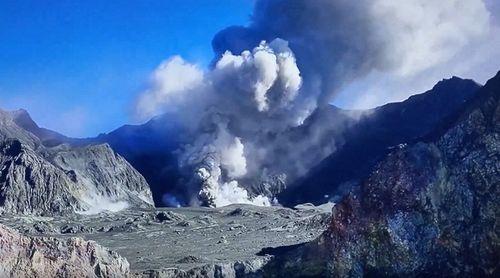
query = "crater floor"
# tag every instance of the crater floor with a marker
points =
(179, 240)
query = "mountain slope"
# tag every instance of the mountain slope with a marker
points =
(372, 137)
(149, 148)
(38, 179)
(428, 209)
(47, 137)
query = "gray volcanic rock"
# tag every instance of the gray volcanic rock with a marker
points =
(248, 269)
(105, 174)
(22, 256)
(29, 184)
(430, 209)
(9, 129)
(37, 179)
(186, 242)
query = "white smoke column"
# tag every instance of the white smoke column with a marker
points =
(230, 112)
(223, 156)
(232, 156)
(289, 73)
(264, 81)
(260, 70)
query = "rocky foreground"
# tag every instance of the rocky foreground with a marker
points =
(184, 242)
(23, 256)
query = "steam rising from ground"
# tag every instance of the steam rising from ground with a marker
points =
(294, 57)
(229, 111)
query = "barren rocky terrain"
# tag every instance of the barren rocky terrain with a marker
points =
(25, 256)
(179, 242)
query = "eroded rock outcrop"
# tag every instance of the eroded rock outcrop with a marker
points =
(111, 183)
(429, 209)
(39, 179)
(29, 184)
(22, 256)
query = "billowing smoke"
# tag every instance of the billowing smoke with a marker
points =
(230, 111)
(169, 82)
(337, 42)
(246, 115)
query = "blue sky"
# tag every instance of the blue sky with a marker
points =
(77, 66)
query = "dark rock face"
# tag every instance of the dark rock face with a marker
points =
(23, 256)
(430, 209)
(37, 179)
(151, 149)
(369, 139)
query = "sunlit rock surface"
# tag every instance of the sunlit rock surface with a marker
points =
(24, 256)
(39, 179)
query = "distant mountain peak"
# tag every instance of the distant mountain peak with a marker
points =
(453, 82)
(22, 118)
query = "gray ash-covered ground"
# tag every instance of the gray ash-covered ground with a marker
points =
(177, 240)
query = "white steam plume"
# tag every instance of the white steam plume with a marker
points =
(169, 83)
(230, 111)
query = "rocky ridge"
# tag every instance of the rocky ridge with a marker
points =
(40, 179)
(428, 209)
(373, 134)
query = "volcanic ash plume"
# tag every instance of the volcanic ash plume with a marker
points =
(231, 111)
(338, 42)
